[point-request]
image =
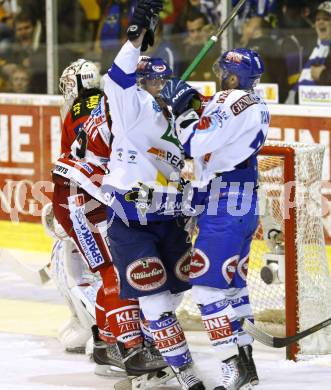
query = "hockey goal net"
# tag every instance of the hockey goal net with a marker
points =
(288, 278)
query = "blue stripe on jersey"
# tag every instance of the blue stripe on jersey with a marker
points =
(121, 78)
(187, 144)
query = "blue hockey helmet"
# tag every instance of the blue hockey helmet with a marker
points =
(246, 64)
(153, 68)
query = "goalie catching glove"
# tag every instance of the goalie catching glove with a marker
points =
(145, 16)
(180, 96)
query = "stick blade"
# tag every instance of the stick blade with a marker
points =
(258, 334)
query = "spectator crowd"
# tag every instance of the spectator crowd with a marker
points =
(293, 37)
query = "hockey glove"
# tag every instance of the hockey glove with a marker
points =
(179, 95)
(144, 17)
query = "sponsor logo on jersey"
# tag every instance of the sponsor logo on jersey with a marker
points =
(182, 267)
(146, 274)
(229, 268)
(86, 167)
(243, 268)
(165, 155)
(132, 156)
(199, 264)
(243, 103)
(60, 169)
(218, 328)
(85, 238)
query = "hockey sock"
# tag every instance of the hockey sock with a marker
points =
(104, 331)
(122, 315)
(239, 299)
(221, 323)
(170, 340)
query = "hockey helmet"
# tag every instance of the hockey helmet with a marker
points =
(246, 64)
(153, 68)
(81, 74)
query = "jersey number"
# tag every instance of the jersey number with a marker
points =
(258, 141)
(82, 140)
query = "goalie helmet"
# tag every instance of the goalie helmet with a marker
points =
(246, 64)
(81, 74)
(153, 68)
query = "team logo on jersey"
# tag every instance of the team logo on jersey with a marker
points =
(243, 268)
(170, 136)
(243, 103)
(146, 274)
(229, 268)
(199, 264)
(182, 267)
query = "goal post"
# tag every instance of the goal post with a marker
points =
(288, 278)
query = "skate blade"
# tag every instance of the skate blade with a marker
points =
(146, 381)
(109, 370)
(246, 386)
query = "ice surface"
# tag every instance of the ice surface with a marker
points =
(38, 362)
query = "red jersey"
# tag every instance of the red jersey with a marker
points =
(85, 161)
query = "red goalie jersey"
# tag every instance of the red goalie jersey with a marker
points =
(89, 137)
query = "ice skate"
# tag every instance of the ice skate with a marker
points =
(107, 357)
(145, 368)
(234, 375)
(246, 358)
(187, 378)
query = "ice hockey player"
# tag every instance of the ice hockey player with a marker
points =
(224, 143)
(79, 209)
(148, 242)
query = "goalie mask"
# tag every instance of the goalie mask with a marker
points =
(246, 64)
(81, 74)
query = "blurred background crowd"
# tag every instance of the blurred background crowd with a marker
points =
(293, 37)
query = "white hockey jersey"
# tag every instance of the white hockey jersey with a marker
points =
(145, 149)
(233, 127)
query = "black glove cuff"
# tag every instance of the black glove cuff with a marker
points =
(133, 32)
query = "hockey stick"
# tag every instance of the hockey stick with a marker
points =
(280, 342)
(211, 42)
(37, 277)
